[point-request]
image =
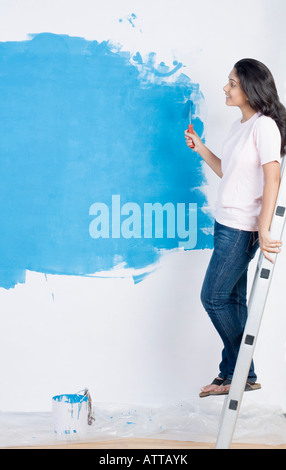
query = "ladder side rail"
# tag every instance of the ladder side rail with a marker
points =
(256, 306)
(234, 398)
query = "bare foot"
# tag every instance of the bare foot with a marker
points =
(221, 390)
(205, 391)
(224, 389)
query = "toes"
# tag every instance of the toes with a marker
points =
(222, 389)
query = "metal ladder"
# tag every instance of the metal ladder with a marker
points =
(256, 305)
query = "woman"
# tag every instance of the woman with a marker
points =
(249, 169)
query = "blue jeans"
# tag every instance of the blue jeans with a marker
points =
(224, 291)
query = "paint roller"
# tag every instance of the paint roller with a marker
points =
(187, 113)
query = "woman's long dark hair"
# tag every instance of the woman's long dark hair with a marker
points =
(258, 84)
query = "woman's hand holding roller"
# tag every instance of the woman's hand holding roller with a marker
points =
(193, 139)
(194, 142)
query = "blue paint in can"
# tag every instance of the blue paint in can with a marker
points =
(71, 398)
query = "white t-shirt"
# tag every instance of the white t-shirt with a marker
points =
(248, 146)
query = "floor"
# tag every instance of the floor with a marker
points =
(191, 424)
(149, 444)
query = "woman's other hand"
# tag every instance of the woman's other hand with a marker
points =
(268, 245)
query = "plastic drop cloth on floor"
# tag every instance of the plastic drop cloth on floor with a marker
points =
(190, 420)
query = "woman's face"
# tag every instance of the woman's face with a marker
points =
(235, 96)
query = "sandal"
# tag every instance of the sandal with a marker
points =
(248, 387)
(252, 386)
(216, 381)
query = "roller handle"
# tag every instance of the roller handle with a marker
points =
(191, 131)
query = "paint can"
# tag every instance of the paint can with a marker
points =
(71, 414)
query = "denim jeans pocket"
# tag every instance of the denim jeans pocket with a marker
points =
(225, 238)
(253, 244)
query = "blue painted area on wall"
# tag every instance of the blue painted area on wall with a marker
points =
(80, 123)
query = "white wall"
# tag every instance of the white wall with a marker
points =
(151, 342)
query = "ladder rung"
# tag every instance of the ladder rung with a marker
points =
(265, 273)
(233, 404)
(280, 211)
(249, 339)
